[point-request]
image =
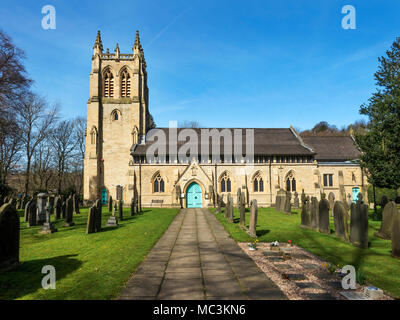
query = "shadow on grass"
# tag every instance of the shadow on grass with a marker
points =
(27, 278)
(260, 233)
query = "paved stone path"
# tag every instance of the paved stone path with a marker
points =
(196, 259)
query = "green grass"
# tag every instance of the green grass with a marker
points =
(375, 263)
(94, 266)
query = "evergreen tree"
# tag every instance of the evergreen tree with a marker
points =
(380, 144)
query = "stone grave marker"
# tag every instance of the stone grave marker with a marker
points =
(388, 214)
(288, 205)
(396, 234)
(48, 226)
(91, 222)
(69, 207)
(341, 217)
(58, 207)
(26, 212)
(32, 213)
(296, 201)
(112, 221)
(242, 210)
(110, 204)
(76, 204)
(120, 210)
(359, 223)
(323, 218)
(132, 207)
(9, 237)
(41, 208)
(314, 213)
(384, 202)
(253, 219)
(305, 214)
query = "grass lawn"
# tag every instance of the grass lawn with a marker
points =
(375, 263)
(94, 266)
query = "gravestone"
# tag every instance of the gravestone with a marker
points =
(63, 209)
(227, 207)
(253, 219)
(132, 207)
(396, 234)
(296, 201)
(48, 226)
(331, 199)
(388, 214)
(91, 221)
(18, 204)
(359, 223)
(384, 202)
(32, 213)
(230, 209)
(314, 213)
(242, 210)
(58, 207)
(24, 202)
(112, 221)
(341, 218)
(41, 208)
(120, 210)
(98, 213)
(288, 205)
(323, 218)
(69, 207)
(51, 201)
(218, 204)
(305, 213)
(238, 200)
(110, 204)
(26, 211)
(76, 204)
(280, 200)
(349, 201)
(9, 237)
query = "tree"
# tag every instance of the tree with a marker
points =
(64, 144)
(13, 78)
(42, 168)
(79, 135)
(35, 120)
(380, 143)
(189, 124)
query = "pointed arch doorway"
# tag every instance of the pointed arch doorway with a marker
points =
(194, 196)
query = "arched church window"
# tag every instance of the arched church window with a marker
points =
(125, 84)
(93, 136)
(115, 115)
(108, 86)
(158, 184)
(258, 183)
(225, 183)
(290, 182)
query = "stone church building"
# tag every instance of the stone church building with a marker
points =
(115, 164)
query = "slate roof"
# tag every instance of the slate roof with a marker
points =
(276, 141)
(333, 148)
(268, 141)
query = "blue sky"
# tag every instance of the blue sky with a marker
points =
(222, 63)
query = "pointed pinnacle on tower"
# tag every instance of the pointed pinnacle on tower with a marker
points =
(98, 44)
(137, 47)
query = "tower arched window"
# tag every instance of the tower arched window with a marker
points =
(290, 182)
(258, 183)
(125, 84)
(158, 184)
(115, 115)
(226, 185)
(108, 84)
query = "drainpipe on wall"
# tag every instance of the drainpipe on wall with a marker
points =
(270, 183)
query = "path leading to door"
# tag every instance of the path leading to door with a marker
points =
(196, 259)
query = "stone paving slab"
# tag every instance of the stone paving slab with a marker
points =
(196, 259)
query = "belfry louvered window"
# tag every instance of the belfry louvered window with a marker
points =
(108, 84)
(125, 84)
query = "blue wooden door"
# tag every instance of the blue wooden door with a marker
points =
(193, 196)
(356, 191)
(104, 196)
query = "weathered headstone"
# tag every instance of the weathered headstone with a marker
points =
(384, 202)
(76, 204)
(48, 226)
(323, 218)
(396, 234)
(314, 213)
(388, 214)
(242, 210)
(340, 217)
(238, 196)
(58, 207)
(91, 222)
(112, 221)
(41, 208)
(280, 200)
(359, 223)
(51, 201)
(98, 213)
(288, 205)
(253, 219)
(296, 201)
(9, 237)
(331, 199)
(32, 213)
(63, 208)
(110, 204)
(132, 207)
(120, 210)
(227, 207)
(305, 213)
(69, 207)
(26, 211)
